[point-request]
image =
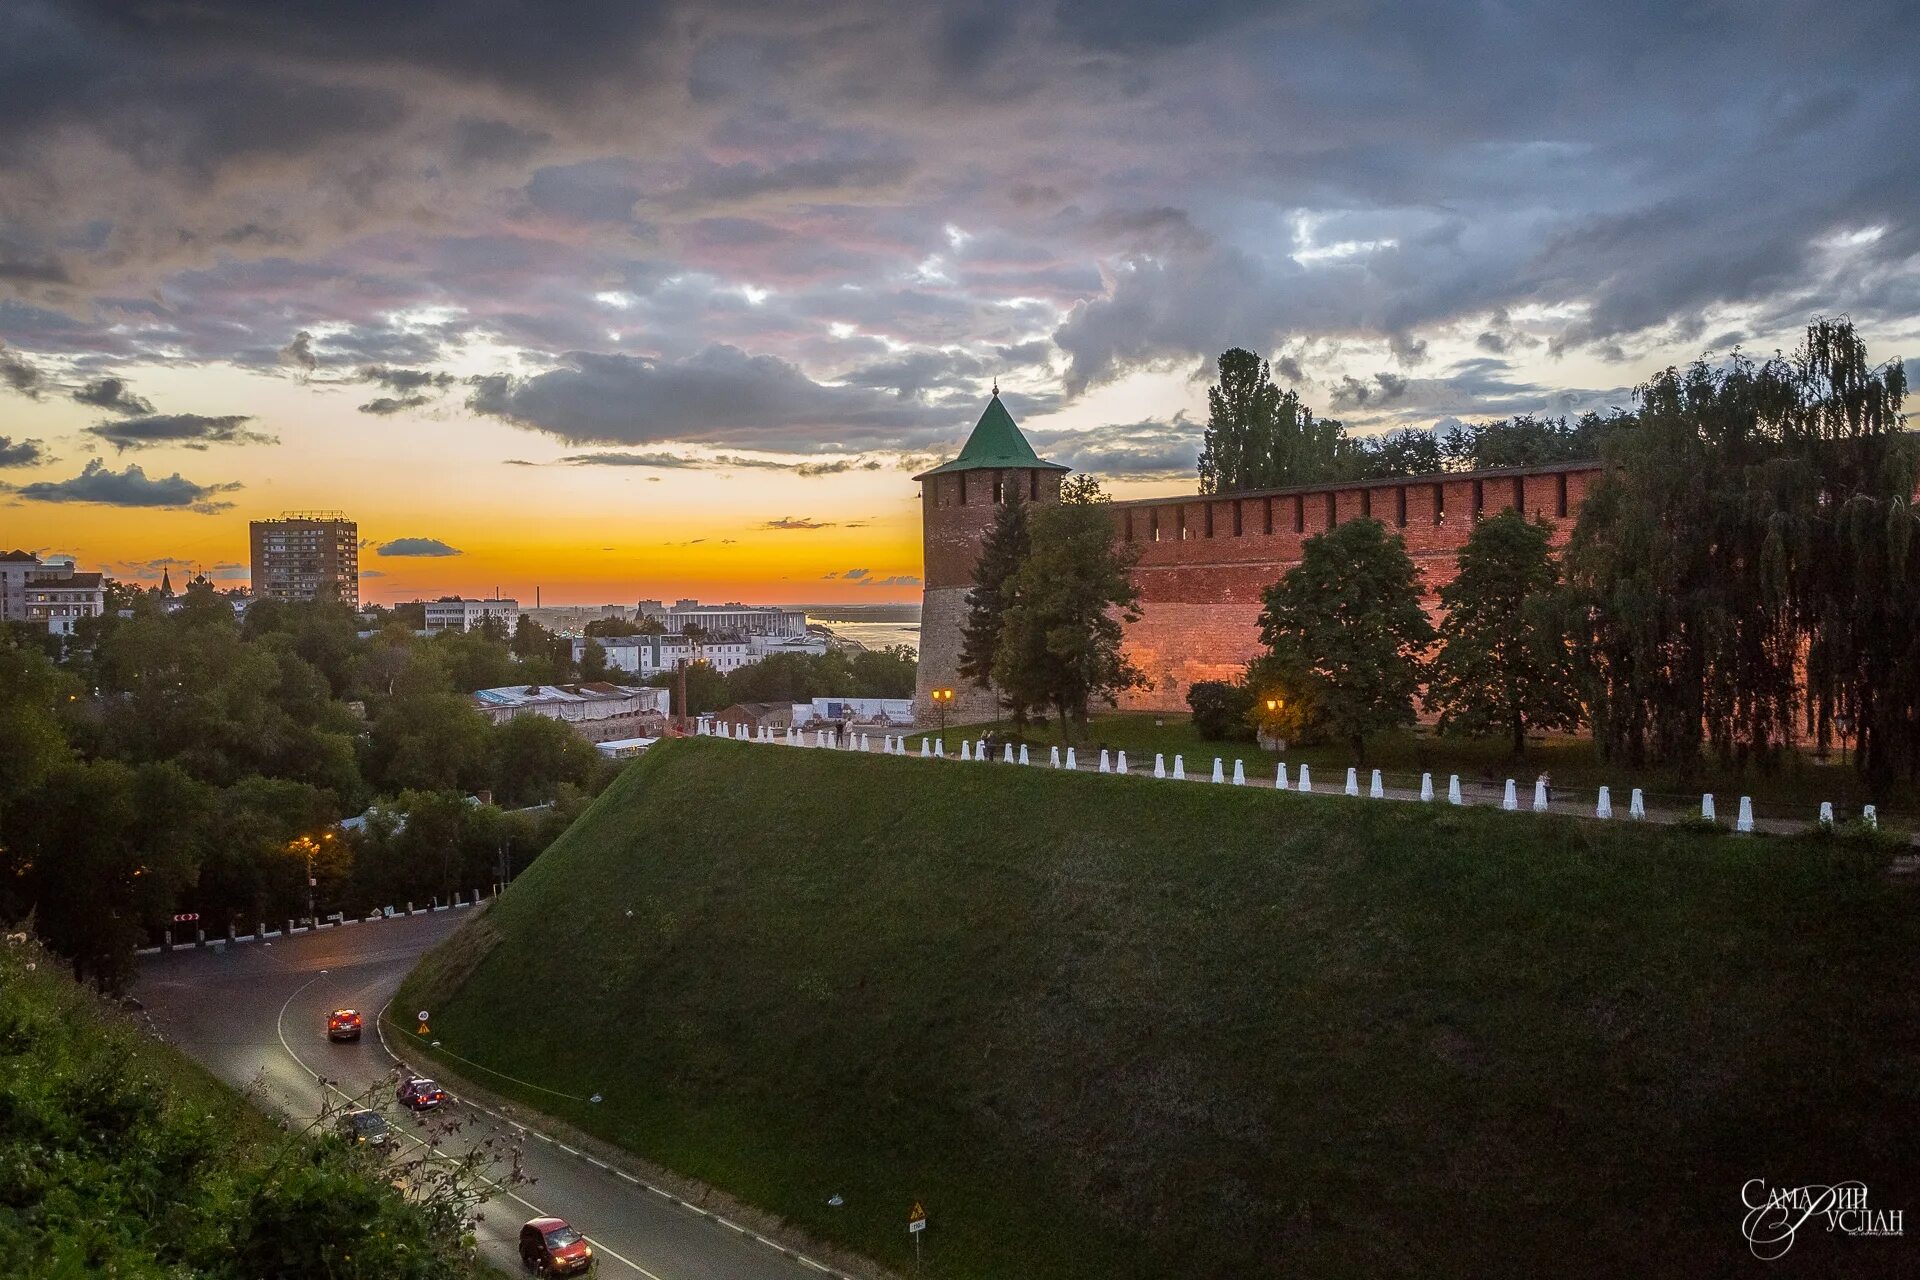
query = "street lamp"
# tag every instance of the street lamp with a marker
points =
(307, 846)
(1274, 705)
(942, 698)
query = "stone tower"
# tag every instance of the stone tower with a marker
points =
(958, 501)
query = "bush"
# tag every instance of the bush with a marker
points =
(1220, 709)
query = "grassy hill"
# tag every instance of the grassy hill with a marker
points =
(1105, 1026)
(119, 1157)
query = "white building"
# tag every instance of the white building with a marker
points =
(451, 613)
(48, 593)
(649, 656)
(762, 620)
(598, 712)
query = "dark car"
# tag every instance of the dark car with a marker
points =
(365, 1128)
(421, 1095)
(343, 1024)
(549, 1247)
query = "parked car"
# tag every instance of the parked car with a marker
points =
(421, 1095)
(343, 1024)
(365, 1128)
(549, 1247)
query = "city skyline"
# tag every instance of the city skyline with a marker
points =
(690, 310)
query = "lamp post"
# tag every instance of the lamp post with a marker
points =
(942, 698)
(307, 846)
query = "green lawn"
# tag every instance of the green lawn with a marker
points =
(1794, 791)
(1109, 1027)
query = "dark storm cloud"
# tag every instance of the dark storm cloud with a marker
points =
(405, 380)
(21, 453)
(188, 430)
(113, 395)
(1126, 451)
(719, 395)
(1097, 187)
(428, 547)
(99, 484)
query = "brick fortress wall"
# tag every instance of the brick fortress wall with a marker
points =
(1205, 562)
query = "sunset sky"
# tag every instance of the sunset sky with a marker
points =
(629, 299)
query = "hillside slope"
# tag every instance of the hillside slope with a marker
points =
(1105, 1026)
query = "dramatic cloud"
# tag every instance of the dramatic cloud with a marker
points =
(21, 453)
(431, 547)
(1129, 451)
(129, 488)
(188, 430)
(20, 374)
(719, 395)
(113, 395)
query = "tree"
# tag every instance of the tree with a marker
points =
(1258, 437)
(1346, 625)
(1506, 665)
(1754, 524)
(1220, 708)
(1060, 638)
(1006, 548)
(593, 661)
(534, 754)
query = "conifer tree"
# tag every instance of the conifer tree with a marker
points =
(1001, 556)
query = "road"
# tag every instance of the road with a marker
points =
(255, 1015)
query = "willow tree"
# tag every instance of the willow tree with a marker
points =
(1751, 527)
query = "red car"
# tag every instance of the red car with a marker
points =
(421, 1095)
(549, 1247)
(343, 1024)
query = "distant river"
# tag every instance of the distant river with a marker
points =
(874, 635)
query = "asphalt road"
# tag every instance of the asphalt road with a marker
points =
(255, 1015)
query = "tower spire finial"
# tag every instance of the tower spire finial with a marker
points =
(996, 384)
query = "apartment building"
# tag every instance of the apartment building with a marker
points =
(307, 555)
(452, 613)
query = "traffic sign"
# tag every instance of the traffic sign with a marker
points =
(186, 917)
(916, 1219)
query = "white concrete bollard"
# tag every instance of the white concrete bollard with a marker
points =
(1453, 790)
(1426, 787)
(1219, 773)
(1023, 753)
(1826, 814)
(966, 749)
(1374, 788)
(700, 729)
(1106, 765)
(1636, 805)
(1603, 808)
(1745, 821)
(1511, 800)
(1353, 781)
(979, 748)
(1073, 761)
(1120, 764)
(1706, 806)
(1306, 778)
(1280, 776)
(1159, 765)
(1179, 769)
(1871, 816)
(940, 748)
(1006, 756)
(1239, 773)
(926, 749)
(1053, 757)
(1539, 795)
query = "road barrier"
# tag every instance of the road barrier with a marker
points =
(334, 921)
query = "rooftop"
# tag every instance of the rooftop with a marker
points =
(520, 695)
(996, 444)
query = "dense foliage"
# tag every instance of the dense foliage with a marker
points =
(1744, 574)
(1260, 437)
(1221, 708)
(1345, 635)
(171, 762)
(798, 677)
(117, 1158)
(1506, 665)
(1008, 544)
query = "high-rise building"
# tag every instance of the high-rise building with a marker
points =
(307, 555)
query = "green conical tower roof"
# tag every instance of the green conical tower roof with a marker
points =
(996, 444)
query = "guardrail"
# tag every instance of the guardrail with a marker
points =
(334, 920)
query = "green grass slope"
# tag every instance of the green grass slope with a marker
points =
(1105, 1026)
